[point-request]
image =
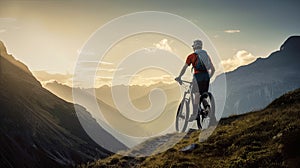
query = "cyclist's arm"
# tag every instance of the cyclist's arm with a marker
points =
(183, 70)
(212, 70)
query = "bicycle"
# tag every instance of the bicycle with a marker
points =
(183, 112)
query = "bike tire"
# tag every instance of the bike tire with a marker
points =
(212, 109)
(212, 103)
(199, 121)
(200, 118)
(181, 127)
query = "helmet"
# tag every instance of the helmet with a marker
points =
(197, 44)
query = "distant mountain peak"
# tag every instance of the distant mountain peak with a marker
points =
(39, 129)
(255, 85)
(291, 44)
(11, 59)
(3, 51)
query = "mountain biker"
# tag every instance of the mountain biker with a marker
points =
(203, 71)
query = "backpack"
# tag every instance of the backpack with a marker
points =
(200, 65)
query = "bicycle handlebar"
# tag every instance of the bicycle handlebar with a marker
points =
(186, 81)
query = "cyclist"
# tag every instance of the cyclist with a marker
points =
(203, 71)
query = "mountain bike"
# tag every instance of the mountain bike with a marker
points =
(183, 112)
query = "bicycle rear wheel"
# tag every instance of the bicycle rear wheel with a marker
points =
(199, 120)
(212, 103)
(202, 121)
(182, 116)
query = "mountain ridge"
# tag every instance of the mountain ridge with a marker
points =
(11, 59)
(38, 129)
(254, 86)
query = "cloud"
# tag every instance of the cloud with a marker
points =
(105, 77)
(241, 57)
(163, 45)
(45, 77)
(232, 31)
(109, 69)
(106, 63)
(130, 76)
(103, 80)
(2, 30)
(7, 24)
(140, 80)
(87, 53)
(8, 19)
(150, 50)
(94, 63)
(133, 80)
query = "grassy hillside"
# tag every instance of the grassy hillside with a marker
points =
(265, 138)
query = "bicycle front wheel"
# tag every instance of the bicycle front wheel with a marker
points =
(182, 116)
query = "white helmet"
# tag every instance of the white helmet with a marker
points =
(197, 44)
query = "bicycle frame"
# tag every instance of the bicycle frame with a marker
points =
(188, 92)
(188, 98)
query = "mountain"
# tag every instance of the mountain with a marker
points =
(265, 138)
(139, 97)
(138, 94)
(39, 129)
(254, 86)
(60, 90)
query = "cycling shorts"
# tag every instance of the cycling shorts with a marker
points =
(201, 82)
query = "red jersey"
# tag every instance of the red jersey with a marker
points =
(193, 59)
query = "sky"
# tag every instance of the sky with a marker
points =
(48, 35)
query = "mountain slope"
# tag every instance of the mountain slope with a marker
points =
(254, 86)
(139, 95)
(39, 129)
(266, 138)
(139, 98)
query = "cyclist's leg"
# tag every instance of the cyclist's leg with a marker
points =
(196, 96)
(203, 84)
(196, 102)
(203, 88)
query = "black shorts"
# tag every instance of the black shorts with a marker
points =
(200, 86)
(200, 83)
